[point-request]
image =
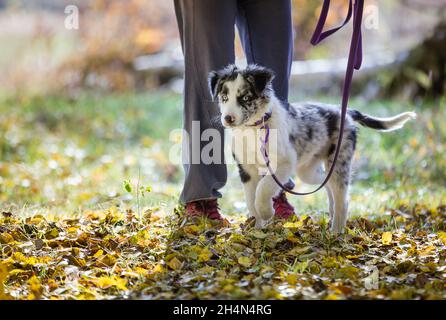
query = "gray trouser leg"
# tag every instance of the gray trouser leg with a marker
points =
(207, 36)
(266, 32)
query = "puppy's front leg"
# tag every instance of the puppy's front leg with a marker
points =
(250, 195)
(250, 178)
(266, 190)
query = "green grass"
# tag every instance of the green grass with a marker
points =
(65, 155)
(62, 153)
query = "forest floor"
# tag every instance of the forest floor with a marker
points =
(88, 210)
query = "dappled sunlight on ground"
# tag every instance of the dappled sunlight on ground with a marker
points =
(89, 209)
(113, 254)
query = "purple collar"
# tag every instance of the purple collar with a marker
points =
(262, 121)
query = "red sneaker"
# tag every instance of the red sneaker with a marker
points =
(283, 209)
(204, 208)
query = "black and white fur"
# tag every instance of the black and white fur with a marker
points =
(306, 135)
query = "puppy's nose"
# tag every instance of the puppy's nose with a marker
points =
(229, 119)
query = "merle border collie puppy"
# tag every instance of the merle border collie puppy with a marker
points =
(306, 137)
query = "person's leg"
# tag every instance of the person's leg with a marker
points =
(207, 37)
(266, 31)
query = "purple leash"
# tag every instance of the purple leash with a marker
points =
(354, 62)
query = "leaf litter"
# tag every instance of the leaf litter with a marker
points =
(110, 254)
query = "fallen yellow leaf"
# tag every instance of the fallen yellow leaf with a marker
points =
(442, 236)
(6, 238)
(3, 276)
(108, 260)
(205, 255)
(175, 264)
(244, 261)
(291, 278)
(98, 253)
(386, 238)
(192, 229)
(113, 281)
(293, 225)
(427, 251)
(35, 287)
(53, 233)
(332, 297)
(155, 271)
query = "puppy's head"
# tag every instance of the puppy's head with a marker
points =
(242, 94)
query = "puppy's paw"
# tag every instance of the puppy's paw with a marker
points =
(264, 210)
(266, 213)
(337, 227)
(260, 224)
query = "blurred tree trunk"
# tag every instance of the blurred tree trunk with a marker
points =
(423, 73)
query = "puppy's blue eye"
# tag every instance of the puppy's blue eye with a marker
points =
(224, 98)
(246, 98)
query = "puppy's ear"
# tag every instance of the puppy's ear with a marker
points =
(259, 77)
(213, 80)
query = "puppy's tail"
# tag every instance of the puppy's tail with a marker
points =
(382, 124)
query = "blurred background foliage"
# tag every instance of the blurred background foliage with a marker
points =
(103, 53)
(83, 110)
